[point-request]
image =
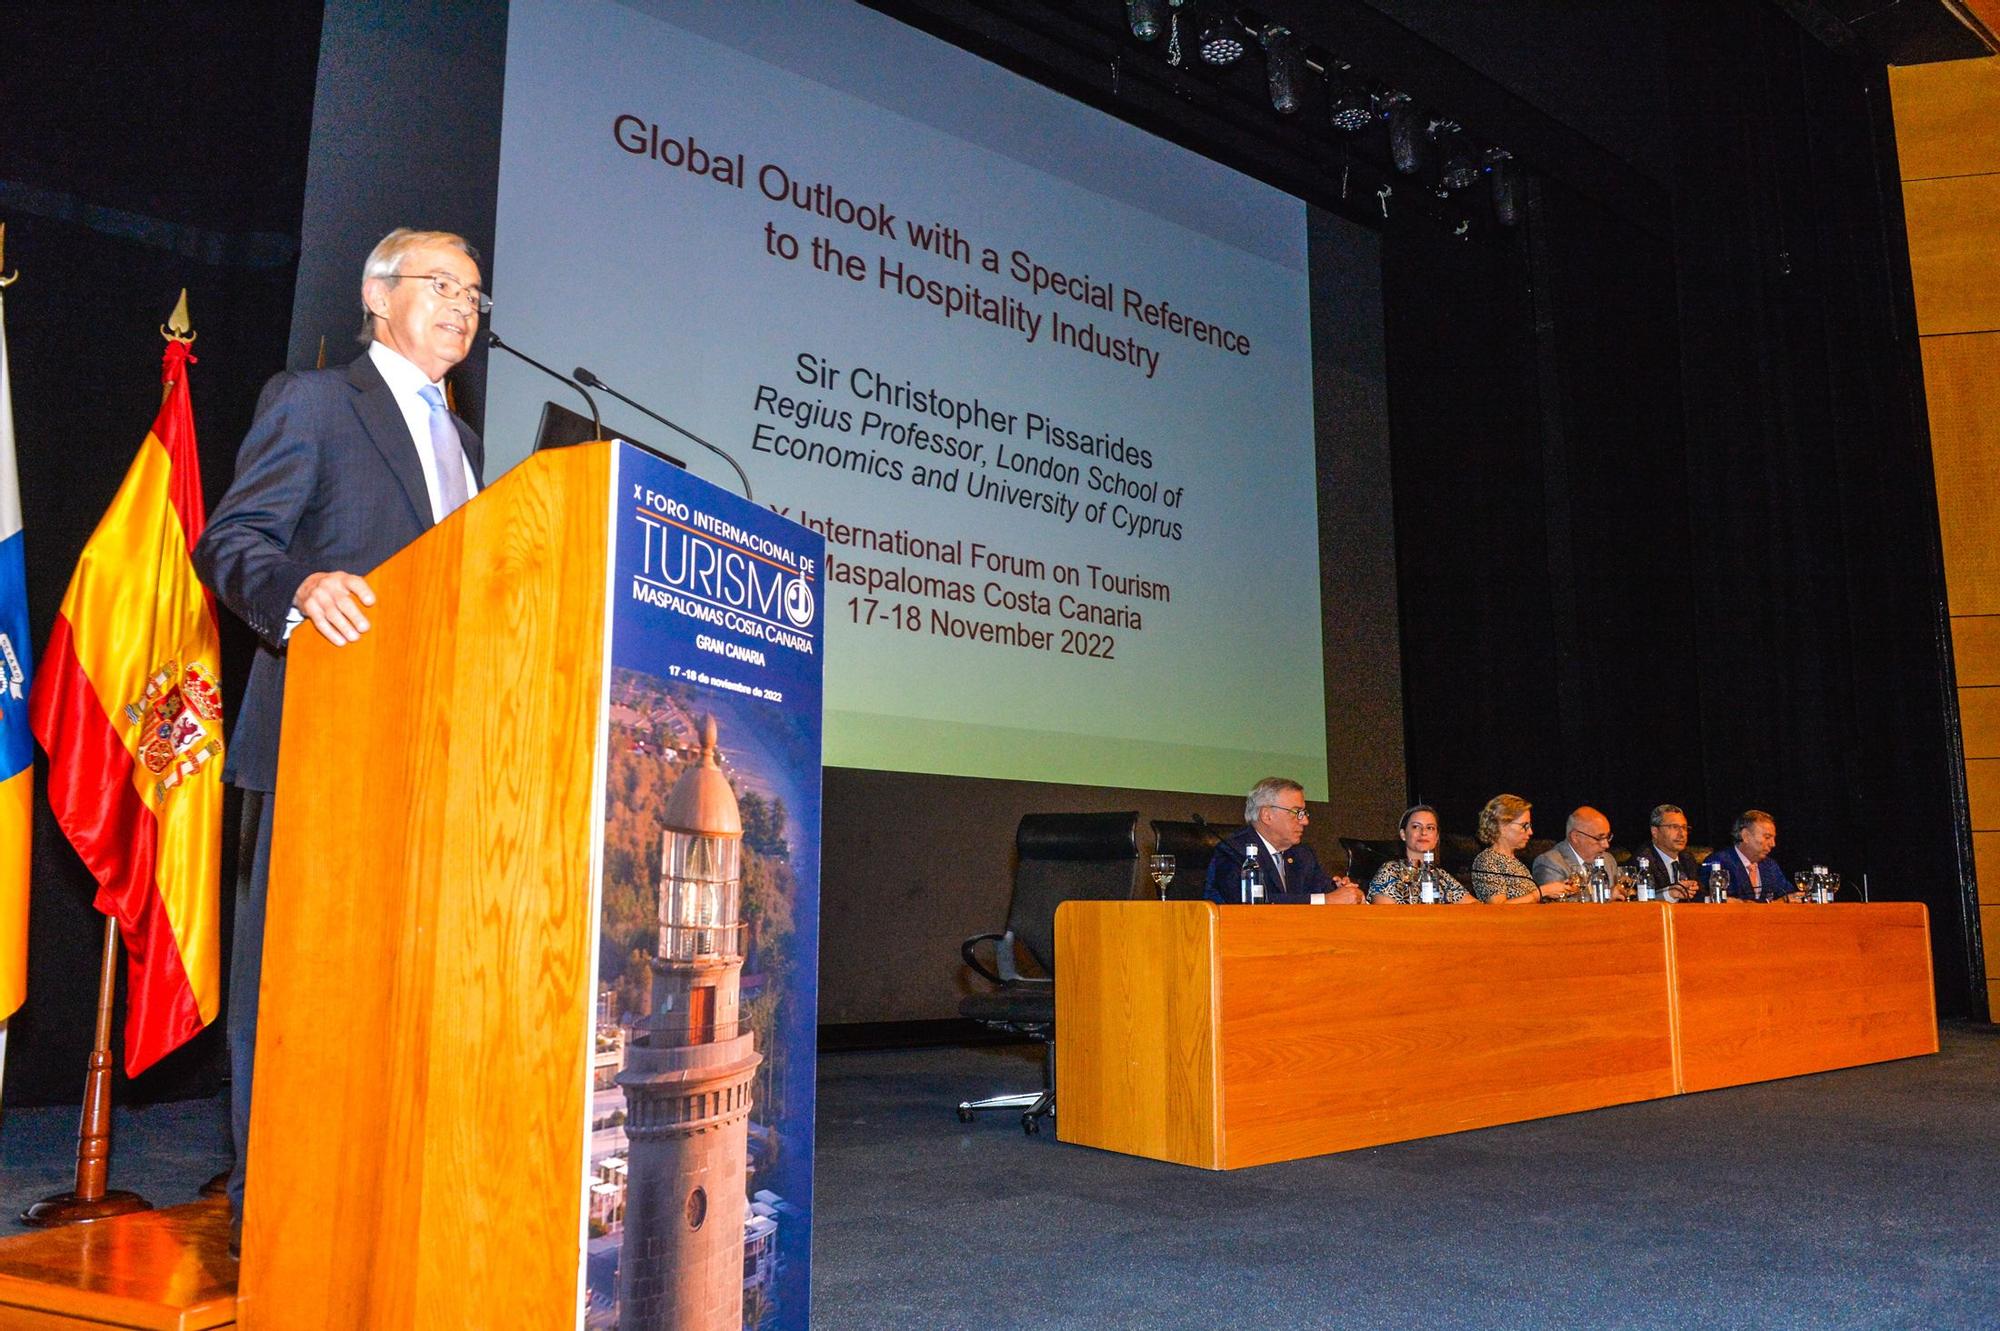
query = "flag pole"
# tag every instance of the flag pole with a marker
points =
(6, 443)
(90, 1199)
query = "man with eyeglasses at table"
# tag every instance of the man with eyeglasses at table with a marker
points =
(1674, 871)
(341, 469)
(1587, 835)
(1277, 817)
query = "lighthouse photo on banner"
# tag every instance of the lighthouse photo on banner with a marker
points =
(698, 1191)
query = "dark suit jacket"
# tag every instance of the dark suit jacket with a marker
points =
(327, 478)
(1773, 883)
(1667, 872)
(1303, 875)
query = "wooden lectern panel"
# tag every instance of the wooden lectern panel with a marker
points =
(1349, 1027)
(1781, 990)
(416, 1150)
(1135, 1035)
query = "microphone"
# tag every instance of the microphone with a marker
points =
(596, 421)
(1202, 826)
(587, 377)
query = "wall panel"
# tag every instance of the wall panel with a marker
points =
(1948, 147)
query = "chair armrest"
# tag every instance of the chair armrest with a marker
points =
(1004, 969)
(966, 950)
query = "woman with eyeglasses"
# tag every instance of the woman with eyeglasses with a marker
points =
(1498, 876)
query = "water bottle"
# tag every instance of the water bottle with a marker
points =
(1822, 885)
(1644, 877)
(1250, 881)
(1427, 887)
(1718, 884)
(1600, 880)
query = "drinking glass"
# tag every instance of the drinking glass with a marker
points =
(1161, 868)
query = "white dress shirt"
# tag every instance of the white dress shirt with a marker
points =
(407, 382)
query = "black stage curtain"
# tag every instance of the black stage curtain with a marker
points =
(1665, 512)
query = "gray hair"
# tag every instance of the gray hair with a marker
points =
(1266, 792)
(1658, 817)
(386, 259)
(1750, 818)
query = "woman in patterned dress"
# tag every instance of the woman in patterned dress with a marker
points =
(1498, 876)
(1395, 883)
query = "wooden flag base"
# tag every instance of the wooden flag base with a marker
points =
(90, 1199)
(67, 1208)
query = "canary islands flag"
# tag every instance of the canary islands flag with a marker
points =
(128, 703)
(17, 743)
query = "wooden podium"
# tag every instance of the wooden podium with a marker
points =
(422, 1061)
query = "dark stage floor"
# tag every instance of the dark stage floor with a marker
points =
(1864, 1198)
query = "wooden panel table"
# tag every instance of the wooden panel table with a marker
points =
(1225, 1037)
(1777, 991)
(1231, 1036)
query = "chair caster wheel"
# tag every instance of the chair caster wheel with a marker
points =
(1030, 1124)
(965, 1113)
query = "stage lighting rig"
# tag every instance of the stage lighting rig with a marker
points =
(1284, 62)
(1408, 145)
(1507, 186)
(1458, 168)
(1218, 39)
(1350, 108)
(1148, 17)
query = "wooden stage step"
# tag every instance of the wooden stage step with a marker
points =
(167, 1270)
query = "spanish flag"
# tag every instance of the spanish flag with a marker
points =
(127, 700)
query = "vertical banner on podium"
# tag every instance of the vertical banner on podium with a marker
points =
(699, 1179)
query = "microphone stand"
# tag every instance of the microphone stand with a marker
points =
(596, 421)
(585, 376)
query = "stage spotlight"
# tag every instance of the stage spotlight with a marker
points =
(1457, 168)
(1506, 174)
(1284, 68)
(1147, 18)
(1349, 106)
(1407, 142)
(1218, 39)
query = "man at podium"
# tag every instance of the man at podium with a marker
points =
(341, 469)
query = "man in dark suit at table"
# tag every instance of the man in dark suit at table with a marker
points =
(1753, 874)
(1276, 814)
(1675, 873)
(341, 469)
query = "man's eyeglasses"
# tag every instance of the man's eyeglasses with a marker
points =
(1595, 836)
(1299, 814)
(450, 288)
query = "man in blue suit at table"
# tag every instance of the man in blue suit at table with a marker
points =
(1753, 874)
(341, 469)
(1276, 814)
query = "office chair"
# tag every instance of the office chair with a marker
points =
(1058, 857)
(1192, 845)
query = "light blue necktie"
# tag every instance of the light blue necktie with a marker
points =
(446, 451)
